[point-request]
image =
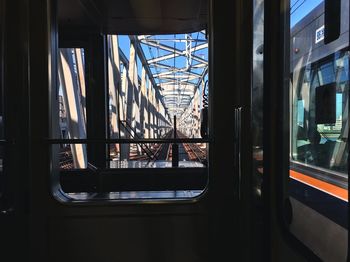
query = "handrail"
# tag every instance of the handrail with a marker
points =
(127, 141)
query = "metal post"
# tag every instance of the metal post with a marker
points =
(143, 102)
(113, 83)
(96, 94)
(175, 149)
(125, 110)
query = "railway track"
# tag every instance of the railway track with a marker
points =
(66, 158)
(194, 151)
(161, 151)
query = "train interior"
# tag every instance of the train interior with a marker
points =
(189, 130)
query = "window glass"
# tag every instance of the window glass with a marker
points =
(322, 145)
(319, 127)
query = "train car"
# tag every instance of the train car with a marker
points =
(189, 130)
(319, 135)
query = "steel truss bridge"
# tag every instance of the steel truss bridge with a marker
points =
(151, 79)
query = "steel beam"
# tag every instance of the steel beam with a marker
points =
(143, 102)
(96, 94)
(144, 61)
(72, 103)
(114, 82)
(156, 44)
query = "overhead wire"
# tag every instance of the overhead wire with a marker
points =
(293, 11)
(294, 4)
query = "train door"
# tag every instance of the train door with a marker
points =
(247, 164)
(268, 238)
(256, 103)
(231, 212)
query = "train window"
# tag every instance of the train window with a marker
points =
(319, 127)
(320, 134)
(135, 132)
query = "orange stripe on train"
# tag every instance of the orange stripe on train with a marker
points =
(321, 185)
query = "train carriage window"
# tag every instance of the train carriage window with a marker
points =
(319, 122)
(319, 127)
(148, 130)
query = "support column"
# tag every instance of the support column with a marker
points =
(153, 114)
(81, 76)
(133, 76)
(123, 95)
(123, 109)
(97, 99)
(162, 120)
(156, 114)
(114, 82)
(150, 110)
(72, 104)
(146, 111)
(143, 103)
(131, 85)
(132, 105)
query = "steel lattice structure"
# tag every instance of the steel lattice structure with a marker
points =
(178, 64)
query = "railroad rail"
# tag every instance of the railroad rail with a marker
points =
(195, 151)
(160, 151)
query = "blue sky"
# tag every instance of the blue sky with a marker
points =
(300, 8)
(124, 43)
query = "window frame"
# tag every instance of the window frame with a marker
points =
(101, 177)
(315, 68)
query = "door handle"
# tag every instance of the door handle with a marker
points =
(237, 150)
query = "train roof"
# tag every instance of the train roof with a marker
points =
(308, 19)
(133, 16)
